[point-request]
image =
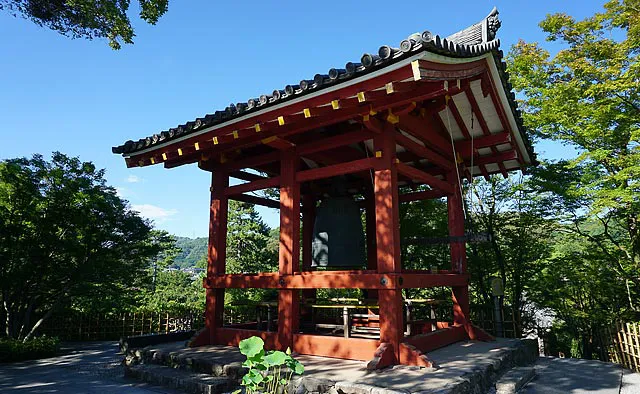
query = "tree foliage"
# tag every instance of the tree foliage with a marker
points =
(88, 18)
(588, 96)
(66, 236)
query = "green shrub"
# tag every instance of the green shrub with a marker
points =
(39, 347)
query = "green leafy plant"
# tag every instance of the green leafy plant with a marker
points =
(268, 371)
(34, 348)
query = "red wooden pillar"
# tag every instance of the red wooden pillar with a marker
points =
(455, 209)
(388, 239)
(308, 220)
(289, 251)
(216, 256)
(372, 255)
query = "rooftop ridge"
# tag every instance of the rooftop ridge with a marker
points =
(475, 40)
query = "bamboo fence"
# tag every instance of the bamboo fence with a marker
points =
(113, 326)
(624, 345)
(483, 317)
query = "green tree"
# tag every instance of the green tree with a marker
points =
(587, 96)
(66, 235)
(87, 18)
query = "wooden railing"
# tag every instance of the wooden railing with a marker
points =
(624, 345)
(483, 317)
(113, 326)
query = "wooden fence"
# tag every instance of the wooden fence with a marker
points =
(624, 345)
(113, 326)
(483, 317)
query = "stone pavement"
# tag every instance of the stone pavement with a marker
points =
(577, 376)
(92, 367)
(463, 367)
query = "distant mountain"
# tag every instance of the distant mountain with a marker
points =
(192, 250)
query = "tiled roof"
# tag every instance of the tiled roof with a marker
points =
(473, 41)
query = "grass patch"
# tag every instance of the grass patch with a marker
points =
(40, 347)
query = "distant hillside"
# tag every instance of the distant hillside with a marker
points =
(192, 250)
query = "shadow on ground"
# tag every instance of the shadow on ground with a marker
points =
(92, 367)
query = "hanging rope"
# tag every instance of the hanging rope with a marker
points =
(455, 155)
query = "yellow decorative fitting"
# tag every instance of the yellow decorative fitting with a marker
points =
(257, 127)
(447, 98)
(378, 153)
(335, 104)
(141, 163)
(196, 146)
(307, 113)
(393, 118)
(215, 140)
(281, 120)
(235, 134)
(397, 160)
(459, 158)
(179, 152)
(269, 139)
(415, 68)
(164, 156)
(361, 97)
(153, 161)
(389, 88)
(365, 118)
(371, 111)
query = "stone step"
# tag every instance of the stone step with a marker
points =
(514, 380)
(192, 361)
(190, 382)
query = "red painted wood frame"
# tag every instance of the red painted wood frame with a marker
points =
(384, 275)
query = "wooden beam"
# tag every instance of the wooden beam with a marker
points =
(335, 347)
(233, 336)
(336, 169)
(242, 137)
(420, 128)
(499, 158)
(424, 177)
(248, 198)
(249, 162)
(464, 147)
(278, 143)
(355, 279)
(497, 103)
(246, 176)
(483, 125)
(252, 186)
(437, 339)
(426, 70)
(422, 195)
(333, 142)
(424, 152)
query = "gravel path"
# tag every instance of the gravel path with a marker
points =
(90, 367)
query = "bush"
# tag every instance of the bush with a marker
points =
(16, 350)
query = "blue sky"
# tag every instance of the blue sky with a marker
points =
(80, 97)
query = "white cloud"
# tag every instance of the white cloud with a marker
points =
(154, 212)
(133, 179)
(122, 192)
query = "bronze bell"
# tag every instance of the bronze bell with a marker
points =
(338, 236)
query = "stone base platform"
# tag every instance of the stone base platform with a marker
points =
(464, 367)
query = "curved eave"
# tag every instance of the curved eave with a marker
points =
(320, 84)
